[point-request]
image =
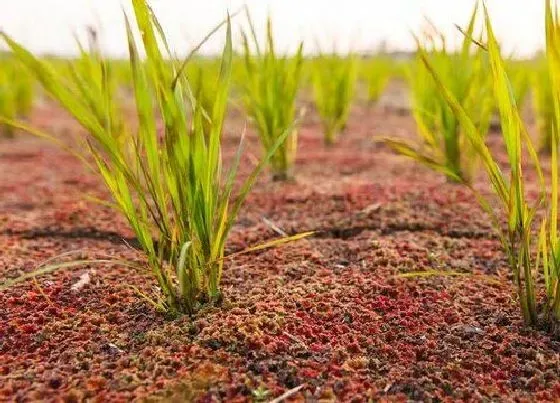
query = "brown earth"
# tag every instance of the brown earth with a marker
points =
(327, 313)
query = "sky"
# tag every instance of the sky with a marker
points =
(48, 26)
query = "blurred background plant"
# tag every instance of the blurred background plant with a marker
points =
(443, 146)
(271, 86)
(334, 83)
(17, 92)
(376, 73)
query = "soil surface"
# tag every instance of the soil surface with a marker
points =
(328, 315)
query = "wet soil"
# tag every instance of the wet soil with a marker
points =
(328, 314)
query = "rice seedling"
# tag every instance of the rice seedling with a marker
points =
(543, 104)
(169, 186)
(549, 241)
(202, 79)
(16, 92)
(95, 82)
(270, 89)
(121, 74)
(7, 101)
(23, 91)
(334, 82)
(519, 75)
(238, 79)
(443, 145)
(376, 73)
(517, 209)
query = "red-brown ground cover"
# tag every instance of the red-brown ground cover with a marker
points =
(327, 313)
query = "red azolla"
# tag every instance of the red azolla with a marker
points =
(96, 383)
(353, 347)
(14, 301)
(39, 319)
(254, 344)
(451, 318)
(112, 299)
(307, 331)
(279, 347)
(61, 215)
(324, 338)
(52, 310)
(316, 347)
(33, 296)
(309, 373)
(381, 303)
(335, 370)
(28, 328)
(544, 396)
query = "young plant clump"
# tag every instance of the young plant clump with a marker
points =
(518, 210)
(334, 82)
(377, 73)
(201, 75)
(169, 186)
(270, 90)
(519, 74)
(543, 105)
(16, 92)
(444, 146)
